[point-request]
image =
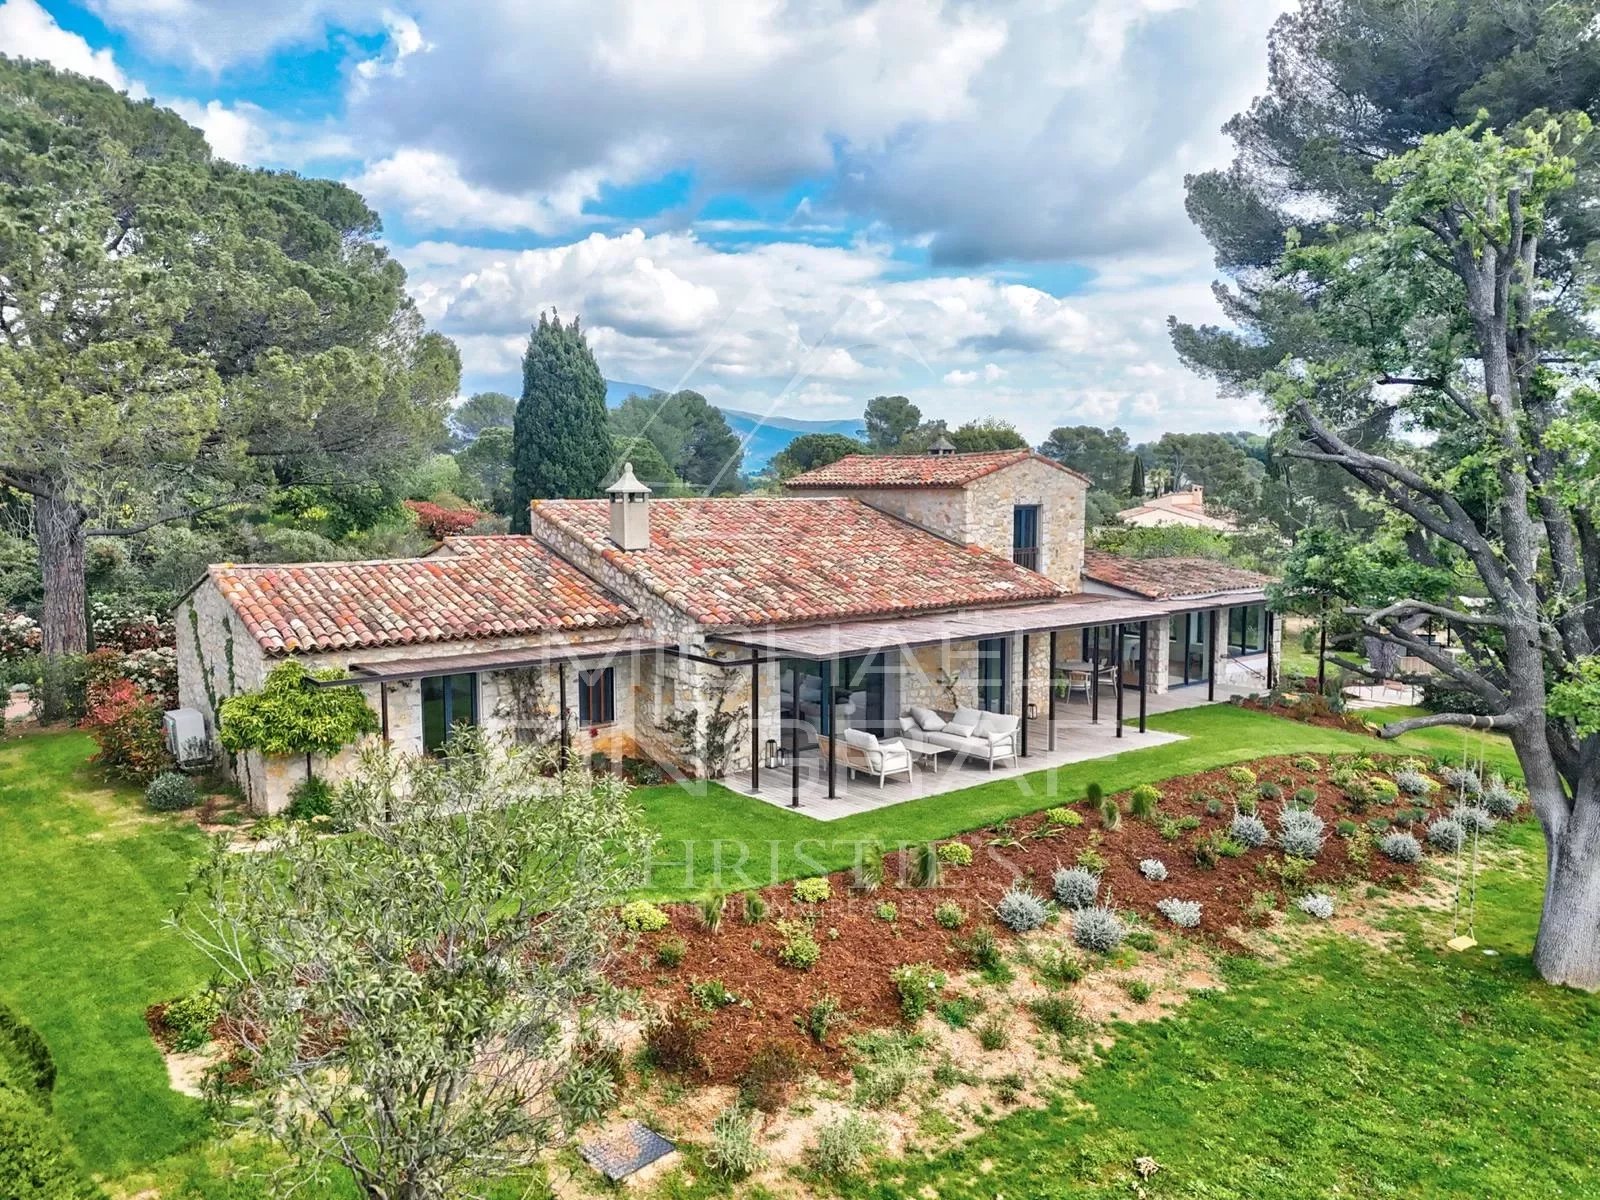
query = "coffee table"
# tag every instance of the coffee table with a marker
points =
(928, 751)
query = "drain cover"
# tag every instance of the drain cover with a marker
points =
(625, 1151)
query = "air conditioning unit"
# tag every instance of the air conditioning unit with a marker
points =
(187, 741)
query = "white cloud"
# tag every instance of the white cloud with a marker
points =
(27, 31)
(817, 330)
(405, 39)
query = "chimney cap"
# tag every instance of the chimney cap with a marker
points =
(943, 446)
(627, 484)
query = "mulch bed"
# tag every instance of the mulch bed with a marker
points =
(1312, 711)
(860, 950)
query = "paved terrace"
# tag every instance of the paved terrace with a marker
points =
(1077, 740)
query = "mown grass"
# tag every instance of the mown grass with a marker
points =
(1347, 1071)
(713, 838)
(88, 880)
(90, 877)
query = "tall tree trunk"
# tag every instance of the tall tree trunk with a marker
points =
(1567, 949)
(64, 628)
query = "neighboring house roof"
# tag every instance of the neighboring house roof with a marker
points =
(1178, 508)
(916, 470)
(757, 561)
(473, 588)
(1170, 578)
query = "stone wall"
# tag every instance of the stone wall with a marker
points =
(217, 659)
(980, 514)
(1060, 497)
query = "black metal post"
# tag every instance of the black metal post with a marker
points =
(1094, 674)
(1211, 659)
(1272, 664)
(830, 699)
(383, 710)
(1322, 650)
(561, 702)
(755, 723)
(1025, 648)
(1144, 670)
(1050, 735)
(1116, 659)
(794, 746)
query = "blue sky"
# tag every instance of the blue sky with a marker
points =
(789, 205)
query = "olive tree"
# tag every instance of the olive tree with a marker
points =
(418, 999)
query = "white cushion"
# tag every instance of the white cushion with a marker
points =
(995, 724)
(964, 721)
(861, 738)
(907, 725)
(926, 718)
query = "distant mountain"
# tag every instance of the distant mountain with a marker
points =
(764, 437)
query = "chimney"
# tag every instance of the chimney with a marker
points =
(630, 511)
(942, 447)
(1195, 498)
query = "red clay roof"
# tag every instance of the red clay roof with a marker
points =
(760, 561)
(1170, 578)
(474, 588)
(916, 470)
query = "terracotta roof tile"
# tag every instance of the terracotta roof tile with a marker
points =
(473, 588)
(757, 561)
(1170, 578)
(916, 470)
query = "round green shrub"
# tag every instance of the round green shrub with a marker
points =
(949, 915)
(641, 916)
(957, 854)
(36, 1160)
(311, 798)
(1242, 776)
(813, 891)
(1063, 816)
(171, 792)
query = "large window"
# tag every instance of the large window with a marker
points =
(447, 701)
(1187, 656)
(1247, 629)
(597, 696)
(1025, 536)
(992, 658)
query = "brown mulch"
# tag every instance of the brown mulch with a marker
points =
(860, 950)
(1312, 714)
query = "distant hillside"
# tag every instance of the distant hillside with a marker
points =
(763, 437)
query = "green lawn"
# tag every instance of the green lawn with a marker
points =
(1347, 1072)
(90, 878)
(87, 882)
(715, 839)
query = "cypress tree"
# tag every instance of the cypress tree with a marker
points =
(1136, 483)
(561, 444)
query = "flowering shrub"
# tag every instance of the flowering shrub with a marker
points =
(125, 626)
(19, 635)
(126, 724)
(154, 670)
(439, 522)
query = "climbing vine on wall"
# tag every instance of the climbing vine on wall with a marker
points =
(709, 737)
(528, 709)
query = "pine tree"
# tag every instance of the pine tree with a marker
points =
(561, 442)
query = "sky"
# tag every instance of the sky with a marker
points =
(789, 206)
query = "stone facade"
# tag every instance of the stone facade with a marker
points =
(980, 513)
(216, 659)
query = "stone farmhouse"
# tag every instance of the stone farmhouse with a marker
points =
(898, 620)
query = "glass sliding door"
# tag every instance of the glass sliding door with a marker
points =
(447, 701)
(1188, 652)
(993, 661)
(1247, 629)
